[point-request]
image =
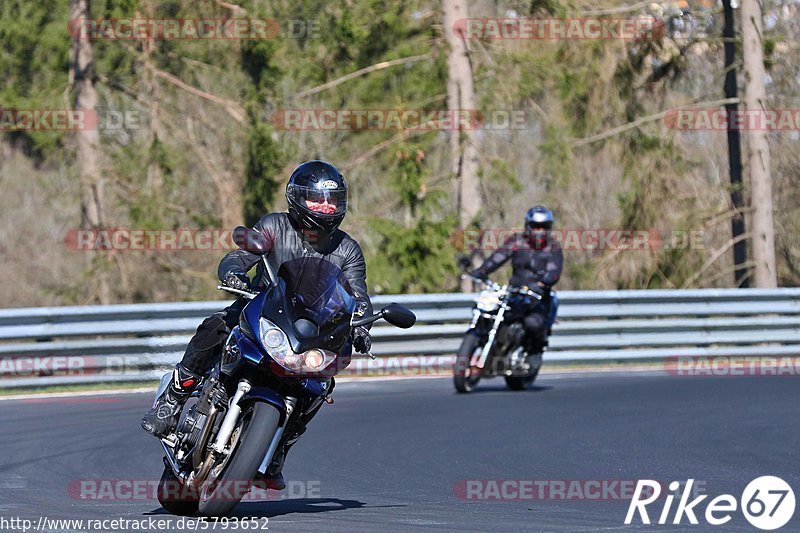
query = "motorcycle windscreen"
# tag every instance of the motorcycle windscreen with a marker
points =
(317, 290)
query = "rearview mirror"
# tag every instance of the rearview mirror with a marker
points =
(250, 240)
(397, 315)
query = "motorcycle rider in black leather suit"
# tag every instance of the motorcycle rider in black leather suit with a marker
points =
(317, 204)
(537, 261)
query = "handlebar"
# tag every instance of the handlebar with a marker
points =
(392, 313)
(489, 283)
(509, 289)
(247, 294)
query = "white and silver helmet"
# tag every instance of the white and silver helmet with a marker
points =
(538, 217)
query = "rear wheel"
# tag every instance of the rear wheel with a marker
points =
(523, 382)
(228, 486)
(465, 376)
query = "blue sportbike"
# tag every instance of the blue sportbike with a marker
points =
(276, 369)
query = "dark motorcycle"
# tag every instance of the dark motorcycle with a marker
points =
(276, 369)
(494, 343)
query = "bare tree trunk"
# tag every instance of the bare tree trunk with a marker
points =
(87, 141)
(461, 102)
(6, 149)
(155, 178)
(758, 148)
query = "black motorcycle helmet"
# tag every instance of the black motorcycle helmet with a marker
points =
(317, 197)
(538, 223)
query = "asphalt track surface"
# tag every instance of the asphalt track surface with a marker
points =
(389, 455)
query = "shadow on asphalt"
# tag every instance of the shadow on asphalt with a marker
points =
(298, 506)
(501, 387)
(271, 509)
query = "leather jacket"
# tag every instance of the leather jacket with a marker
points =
(530, 265)
(287, 242)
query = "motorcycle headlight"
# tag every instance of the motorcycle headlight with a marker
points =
(314, 359)
(487, 301)
(274, 339)
(277, 345)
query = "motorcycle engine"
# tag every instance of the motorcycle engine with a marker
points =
(192, 425)
(510, 335)
(191, 428)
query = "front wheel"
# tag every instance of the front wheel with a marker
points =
(219, 496)
(176, 497)
(465, 376)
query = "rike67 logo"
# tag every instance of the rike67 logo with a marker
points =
(767, 503)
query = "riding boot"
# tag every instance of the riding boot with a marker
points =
(162, 419)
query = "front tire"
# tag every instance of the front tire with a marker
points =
(234, 481)
(176, 497)
(465, 377)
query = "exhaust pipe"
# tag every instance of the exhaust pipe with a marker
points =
(173, 464)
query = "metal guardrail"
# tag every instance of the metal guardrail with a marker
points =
(96, 344)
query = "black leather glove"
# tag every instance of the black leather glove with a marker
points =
(237, 280)
(478, 273)
(538, 289)
(362, 341)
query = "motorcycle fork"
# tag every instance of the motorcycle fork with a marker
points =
(498, 319)
(273, 446)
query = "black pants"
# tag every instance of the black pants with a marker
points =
(206, 344)
(534, 321)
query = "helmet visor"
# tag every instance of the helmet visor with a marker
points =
(321, 201)
(541, 226)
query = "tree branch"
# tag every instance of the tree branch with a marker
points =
(728, 270)
(613, 10)
(643, 120)
(237, 10)
(716, 255)
(366, 70)
(234, 110)
(380, 147)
